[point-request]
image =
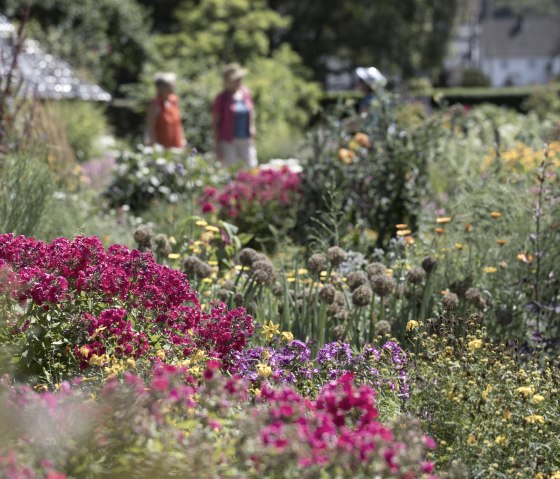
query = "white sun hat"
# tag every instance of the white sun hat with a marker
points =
(371, 76)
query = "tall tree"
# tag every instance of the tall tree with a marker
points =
(403, 38)
(106, 39)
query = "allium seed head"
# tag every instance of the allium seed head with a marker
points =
(356, 279)
(362, 296)
(383, 285)
(336, 255)
(317, 263)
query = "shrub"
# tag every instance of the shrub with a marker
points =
(491, 409)
(148, 175)
(70, 305)
(473, 77)
(382, 170)
(25, 191)
(174, 425)
(261, 203)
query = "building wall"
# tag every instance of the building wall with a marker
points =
(520, 71)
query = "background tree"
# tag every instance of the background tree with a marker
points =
(105, 40)
(211, 33)
(402, 38)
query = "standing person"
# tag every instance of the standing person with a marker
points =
(233, 120)
(164, 116)
(369, 79)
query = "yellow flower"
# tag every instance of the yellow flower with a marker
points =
(471, 439)
(201, 223)
(173, 255)
(490, 269)
(346, 156)
(459, 246)
(486, 392)
(501, 439)
(411, 325)
(401, 226)
(161, 354)
(506, 415)
(172, 240)
(501, 242)
(495, 214)
(443, 219)
(213, 262)
(537, 398)
(131, 362)
(302, 271)
(526, 391)
(403, 232)
(270, 330)
(287, 335)
(84, 351)
(362, 139)
(264, 370)
(525, 258)
(409, 240)
(474, 344)
(555, 475)
(534, 419)
(212, 229)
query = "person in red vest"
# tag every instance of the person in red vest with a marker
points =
(164, 116)
(233, 121)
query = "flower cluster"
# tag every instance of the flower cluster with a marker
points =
(384, 367)
(189, 426)
(83, 301)
(255, 200)
(263, 187)
(337, 430)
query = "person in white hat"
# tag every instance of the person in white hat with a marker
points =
(369, 80)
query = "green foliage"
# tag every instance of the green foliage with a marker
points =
(148, 175)
(492, 412)
(544, 102)
(210, 34)
(382, 168)
(84, 123)
(105, 39)
(25, 191)
(473, 77)
(403, 38)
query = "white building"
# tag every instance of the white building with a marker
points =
(510, 51)
(520, 51)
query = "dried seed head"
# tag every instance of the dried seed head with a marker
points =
(450, 301)
(362, 296)
(382, 328)
(247, 256)
(336, 255)
(162, 245)
(375, 269)
(416, 275)
(143, 237)
(383, 285)
(327, 294)
(339, 298)
(238, 300)
(428, 264)
(356, 279)
(317, 263)
(277, 289)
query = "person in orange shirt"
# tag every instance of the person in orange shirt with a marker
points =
(164, 115)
